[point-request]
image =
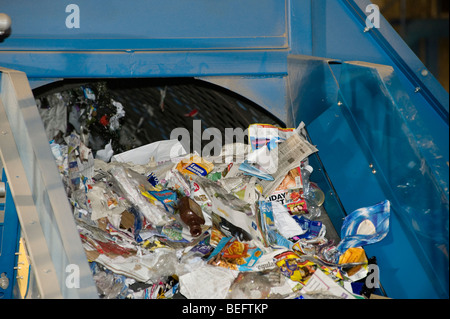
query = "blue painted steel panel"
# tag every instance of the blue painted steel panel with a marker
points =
(145, 24)
(38, 65)
(411, 169)
(9, 242)
(376, 127)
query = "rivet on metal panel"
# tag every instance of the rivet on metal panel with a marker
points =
(366, 29)
(340, 103)
(371, 165)
(417, 90)
(425, 72)
(4, 281)
(374, 171)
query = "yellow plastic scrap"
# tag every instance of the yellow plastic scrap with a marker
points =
(195, 165)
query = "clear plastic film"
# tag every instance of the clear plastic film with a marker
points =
(130, 183)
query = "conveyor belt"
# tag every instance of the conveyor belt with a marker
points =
(150, 118)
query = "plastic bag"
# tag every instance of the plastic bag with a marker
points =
(207, 282)
(268, 227)
(230, 208)
(365, 226)
(284, 222)
(250, 285)
(313, 229)
(176, 181)
(131, 186)
(105, 203)
(110, 285)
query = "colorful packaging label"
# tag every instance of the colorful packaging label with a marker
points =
(234, 254)
(195, 165)
(200, 196)
(152, 179)
(266, 223)
(312, 227)
(167, 198)
(292, 267)
(290, 193)
(265, 134)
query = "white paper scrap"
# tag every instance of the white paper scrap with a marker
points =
(162, 151)
(321, 282)
(208, 282)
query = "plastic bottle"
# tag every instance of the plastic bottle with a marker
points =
(191, 214)
(313, 194)
(306, 173)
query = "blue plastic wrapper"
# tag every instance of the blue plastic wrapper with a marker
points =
(312, 228)
(365, 226)
(266, 223)
(252, 170)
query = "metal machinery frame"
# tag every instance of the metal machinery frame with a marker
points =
(34, 191)
(381, 124)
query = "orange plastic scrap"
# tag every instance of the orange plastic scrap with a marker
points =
(353, 255)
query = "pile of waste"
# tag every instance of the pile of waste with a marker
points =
(159, 222)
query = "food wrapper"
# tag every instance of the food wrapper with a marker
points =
(236, 255)
(167, 198)
(292, 267)
(195, 165)
(216, 236)
(173, 232)
(202, 248)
